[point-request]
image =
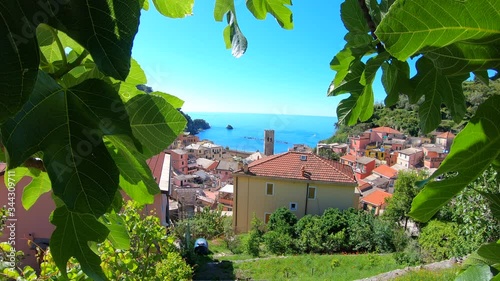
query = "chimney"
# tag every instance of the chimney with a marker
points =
(245, 168)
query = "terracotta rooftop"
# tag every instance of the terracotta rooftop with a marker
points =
(376, 198)
(364, 186)
(386, 171)
(302, 166)
(386, 130)
(446, 135)
(365, 160)
(349, 157)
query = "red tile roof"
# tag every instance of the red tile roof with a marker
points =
(364, 186)
(289, 165)
(446, 135)
(386, 130)
(376, 198)
(349, 157)
(155, 163)
(386, 171)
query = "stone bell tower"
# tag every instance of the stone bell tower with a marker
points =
(268, 142)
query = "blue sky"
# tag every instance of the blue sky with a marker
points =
(282, 72)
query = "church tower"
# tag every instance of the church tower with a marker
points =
(268, 142)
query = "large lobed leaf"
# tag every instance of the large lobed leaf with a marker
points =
(135, 175)
(353, 17)
(437, 89)
(474, 148)
(68, 127)
(71, 237)
(462, 35)
(154, 121)
(105, 28)
(276, 8)
(174, 8)
(233, 37)
(18, 57)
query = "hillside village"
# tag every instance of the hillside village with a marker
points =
(205, 174)
(194, 174)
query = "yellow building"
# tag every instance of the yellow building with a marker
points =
(305, 183)
(375, 153)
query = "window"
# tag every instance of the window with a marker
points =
(293, 206)
(311, 192)
(267, 216)
(269, 188)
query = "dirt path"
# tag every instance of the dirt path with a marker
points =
(398, 272)
(216, 256)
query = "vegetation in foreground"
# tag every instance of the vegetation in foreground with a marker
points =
(430, 275)
(148, 255)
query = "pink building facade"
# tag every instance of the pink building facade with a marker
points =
(179, 160)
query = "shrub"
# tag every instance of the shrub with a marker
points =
(252, 244)
(334, 220)
(439, 240)
(252, 241)
(282, 221)
(174, 268)
(335, 242)
(278, 243)
(151, 255)
(411, 254)
(360, 231)
(311, 234)
(334, 263)
(383, 235)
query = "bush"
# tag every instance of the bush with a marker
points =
(336, 242)
(282, 221)
(383, 235)
(411, 254)
(311, 234)
(252, 241)
(206, 224)
(360, 231)
(235, 245)
(278, 243)
(151, 255)
(334, 220)
(233, 242)
(173, 268)
(439, 240)
(252, 244)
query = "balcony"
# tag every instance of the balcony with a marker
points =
(227, 202)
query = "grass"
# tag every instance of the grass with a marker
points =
(316, 267)
(221, 264)
(428, 275)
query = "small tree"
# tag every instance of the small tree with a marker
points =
(405, 190)
(252, 242)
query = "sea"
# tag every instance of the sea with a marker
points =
(248, 130)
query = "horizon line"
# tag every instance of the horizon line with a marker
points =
(260, 113)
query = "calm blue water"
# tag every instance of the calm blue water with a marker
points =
(248, 132)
